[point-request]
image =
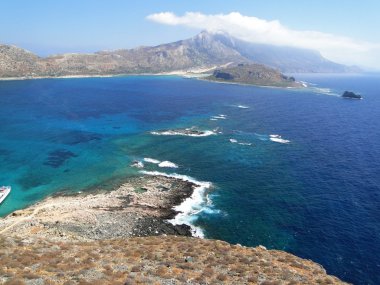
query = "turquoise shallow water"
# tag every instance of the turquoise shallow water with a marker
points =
(317, 196)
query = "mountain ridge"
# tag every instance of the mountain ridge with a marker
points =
(205, 50)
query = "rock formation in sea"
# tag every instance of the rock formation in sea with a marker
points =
(351, 95)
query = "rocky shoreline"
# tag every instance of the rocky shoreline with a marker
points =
(139, 207)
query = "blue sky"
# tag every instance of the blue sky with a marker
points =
(48, 27)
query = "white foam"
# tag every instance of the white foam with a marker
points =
(183, 133)
(193, 205)
(168, 164)
(213, 119)
(151, 160)
(233, 141)
(241, 106)
(244, 143)
(325, 91)
(137, 164)
(219, 117)
(278, 139)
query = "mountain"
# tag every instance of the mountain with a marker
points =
(205, 50)
(284, 58)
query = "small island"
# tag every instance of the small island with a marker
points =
(351, 95)
(253, 74)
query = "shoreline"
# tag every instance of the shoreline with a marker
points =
(183, 73)
(141, 206)
(255, 85)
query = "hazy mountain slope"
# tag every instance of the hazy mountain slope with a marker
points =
(286, 59)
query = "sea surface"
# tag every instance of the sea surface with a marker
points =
(312, 188)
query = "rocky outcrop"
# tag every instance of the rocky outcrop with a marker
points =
(139, 207)
(255, 74)
(351, 95)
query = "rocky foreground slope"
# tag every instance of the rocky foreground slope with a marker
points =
(151, 260)
(123, 237)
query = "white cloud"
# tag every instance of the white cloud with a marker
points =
(252, 29)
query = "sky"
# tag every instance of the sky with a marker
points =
(345, 31)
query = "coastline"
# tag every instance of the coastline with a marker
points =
(185, 73)
(141, 206)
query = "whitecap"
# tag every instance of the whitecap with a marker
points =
(151, 160)
(168, 164)
(261, 137)
(137, 164)
(190, 132)
(218, 117)
(241, 106)
(278, 139)
(244, 143)
(193, 205)
(233, 141)
(325, 91)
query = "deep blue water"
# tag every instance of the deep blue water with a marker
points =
(317, 196)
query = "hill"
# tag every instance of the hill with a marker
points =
(151, 260)
(255, 74)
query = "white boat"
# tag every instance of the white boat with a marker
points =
(4, 192)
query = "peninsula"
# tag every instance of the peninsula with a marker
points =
(253, 74)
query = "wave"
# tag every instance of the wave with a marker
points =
(137, 164)
(151, 160)
(241, 143)
(168, 164)
(278, 139)
(189, 132)
(262, 137)
(241, 106)
(188, 209)
(244, 143)
(325, 91)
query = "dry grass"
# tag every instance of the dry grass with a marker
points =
(152, 260)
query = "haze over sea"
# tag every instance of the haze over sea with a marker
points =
(316, 196)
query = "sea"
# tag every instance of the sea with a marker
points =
(289, 169)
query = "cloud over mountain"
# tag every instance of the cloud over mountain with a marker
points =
(253, 29)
